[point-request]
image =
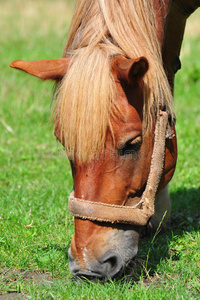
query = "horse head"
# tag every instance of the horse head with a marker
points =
(116, 176)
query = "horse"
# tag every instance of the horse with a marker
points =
(114, 116)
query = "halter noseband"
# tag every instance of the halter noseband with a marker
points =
(140, 213)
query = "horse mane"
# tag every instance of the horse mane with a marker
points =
(86, 97)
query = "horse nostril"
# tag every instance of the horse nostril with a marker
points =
(111, 263)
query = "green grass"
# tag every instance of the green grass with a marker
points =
(35, 177)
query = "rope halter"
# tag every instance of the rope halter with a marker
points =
(140, 213)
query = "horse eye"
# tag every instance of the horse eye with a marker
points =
(131, 147)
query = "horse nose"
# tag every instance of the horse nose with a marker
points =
(108, 265)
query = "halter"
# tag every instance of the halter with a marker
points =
(140, 213)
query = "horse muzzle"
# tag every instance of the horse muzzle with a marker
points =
(105, 254)
(109, 265)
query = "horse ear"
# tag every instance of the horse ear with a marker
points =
(53, 69)
(132, 70)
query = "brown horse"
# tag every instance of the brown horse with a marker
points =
(113, 115)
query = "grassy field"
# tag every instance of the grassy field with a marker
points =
(35, 177)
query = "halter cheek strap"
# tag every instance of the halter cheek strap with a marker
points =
(144, 209)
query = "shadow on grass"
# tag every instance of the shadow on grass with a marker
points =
(185, 210)
(185, 218)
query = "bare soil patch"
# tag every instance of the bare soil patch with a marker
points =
(11, 280)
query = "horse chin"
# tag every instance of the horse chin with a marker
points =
(114, 256)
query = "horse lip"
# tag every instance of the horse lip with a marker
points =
(84, 273)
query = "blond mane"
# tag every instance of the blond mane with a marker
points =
(100, 30)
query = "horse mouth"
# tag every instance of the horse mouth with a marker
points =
(89, 275)
(96, 277)
(129, 271)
